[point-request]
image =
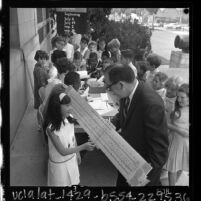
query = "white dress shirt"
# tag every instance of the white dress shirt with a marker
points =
(132, 93)
(134, 68)
(69, 49)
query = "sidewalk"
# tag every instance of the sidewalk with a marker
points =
(28, 153)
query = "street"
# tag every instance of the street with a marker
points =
(162, 42)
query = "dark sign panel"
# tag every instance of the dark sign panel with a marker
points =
(71, 22)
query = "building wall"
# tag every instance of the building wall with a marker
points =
(25, 24)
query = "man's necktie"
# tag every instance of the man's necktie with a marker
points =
(125, 108)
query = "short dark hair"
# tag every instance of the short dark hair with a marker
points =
(41, 54)
(106, 53)
(93, 55)
(154, 59)
(73, 78)
(120, 72)
(128, 53)
(77, 55)
(85, 40)
(57, 54)
(63, 65)
(142, 65)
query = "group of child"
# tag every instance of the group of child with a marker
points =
(52, 76)
(53, 107)
(175, 94)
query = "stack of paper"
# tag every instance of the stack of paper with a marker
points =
(83, 74)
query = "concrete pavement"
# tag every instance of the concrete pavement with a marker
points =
(28, 153)
(162, 42)
(183, 72)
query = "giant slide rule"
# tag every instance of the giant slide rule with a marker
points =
(128, 162)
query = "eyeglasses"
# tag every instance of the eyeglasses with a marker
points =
(108, 87)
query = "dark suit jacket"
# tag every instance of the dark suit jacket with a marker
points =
(145, 128)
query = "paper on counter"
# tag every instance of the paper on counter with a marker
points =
(104, 96)
(83, 74)
(129, 163)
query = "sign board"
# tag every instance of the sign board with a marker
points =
(71, 22)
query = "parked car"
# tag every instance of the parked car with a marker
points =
(158, 24)
(172, 26)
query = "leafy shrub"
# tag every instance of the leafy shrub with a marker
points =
(131, 35)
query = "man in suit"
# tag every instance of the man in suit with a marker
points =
(141, 119)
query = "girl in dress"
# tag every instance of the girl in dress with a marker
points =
(171, 95)
(62, 165)
(178, 159)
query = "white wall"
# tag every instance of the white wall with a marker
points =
(24, 42)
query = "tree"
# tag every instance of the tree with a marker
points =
(152, 11)
(179, 10)
(131, 36)
(97, 18)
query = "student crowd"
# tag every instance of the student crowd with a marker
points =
(162, 124)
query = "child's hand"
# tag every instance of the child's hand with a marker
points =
(89, 146)
(78, 158)
(95, 145)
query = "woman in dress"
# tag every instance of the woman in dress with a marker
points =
(171, 96)
(178, 159)
(62, 164)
